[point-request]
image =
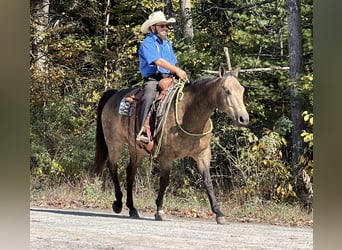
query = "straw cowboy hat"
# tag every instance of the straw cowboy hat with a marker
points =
(155, 17)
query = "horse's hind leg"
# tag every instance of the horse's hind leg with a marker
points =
(117, 204)
(135, 162)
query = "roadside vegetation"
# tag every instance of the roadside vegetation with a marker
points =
(91, 194)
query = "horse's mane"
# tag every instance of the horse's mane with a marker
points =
(202, 79)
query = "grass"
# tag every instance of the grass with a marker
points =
(90, 193)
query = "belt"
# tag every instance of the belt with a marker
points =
(156, 77)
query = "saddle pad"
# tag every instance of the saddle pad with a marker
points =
(127, 103)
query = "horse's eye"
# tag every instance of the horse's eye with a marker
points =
(227, 91)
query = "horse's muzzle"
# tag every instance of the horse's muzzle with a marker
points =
(242, 120)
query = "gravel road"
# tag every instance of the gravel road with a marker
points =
(83, 229)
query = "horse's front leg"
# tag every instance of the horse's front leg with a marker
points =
(163, 183)
(131, 171)
(204, 168)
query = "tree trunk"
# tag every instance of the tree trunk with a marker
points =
(105, 34)
(169, 8)
(39, 10)
(296, 69)
(186, 20)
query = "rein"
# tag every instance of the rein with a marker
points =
(178, 98)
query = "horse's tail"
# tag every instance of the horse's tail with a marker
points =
(101, 148)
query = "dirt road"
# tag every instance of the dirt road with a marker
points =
(82, 229)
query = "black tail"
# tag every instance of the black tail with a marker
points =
(101, 153)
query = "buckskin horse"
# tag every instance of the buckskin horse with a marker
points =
(186, 133)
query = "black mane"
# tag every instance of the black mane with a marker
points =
(202, 79)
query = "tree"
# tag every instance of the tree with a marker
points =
(40, 20)
(296, 70)
(186, 20)
(105, 34)
(39, 24)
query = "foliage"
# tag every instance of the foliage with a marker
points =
(63, 100)
(251, 162)
(306, 160)
(265, 174)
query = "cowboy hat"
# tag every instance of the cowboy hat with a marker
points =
(155, 17)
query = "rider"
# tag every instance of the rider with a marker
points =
(157, 60)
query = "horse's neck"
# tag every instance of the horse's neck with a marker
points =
(198, 106)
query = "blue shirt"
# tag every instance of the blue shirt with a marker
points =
(151, 49)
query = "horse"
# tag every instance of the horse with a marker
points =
(186, 133)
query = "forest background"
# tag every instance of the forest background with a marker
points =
(79, 48)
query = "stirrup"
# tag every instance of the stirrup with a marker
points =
(143, 138)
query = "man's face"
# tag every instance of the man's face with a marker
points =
(161, 30)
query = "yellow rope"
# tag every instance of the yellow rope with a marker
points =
(180, 97)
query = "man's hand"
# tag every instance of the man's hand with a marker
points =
(181, 74)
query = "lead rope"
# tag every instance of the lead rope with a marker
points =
(180, 97)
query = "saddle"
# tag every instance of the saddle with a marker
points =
(156, 117)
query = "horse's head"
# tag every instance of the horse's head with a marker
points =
(230, 99)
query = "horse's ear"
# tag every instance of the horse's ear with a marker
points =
(235, 72)
(221, 71)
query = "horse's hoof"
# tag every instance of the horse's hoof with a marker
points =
(159, 215)
(134, 213)
(117, 207)
(221, 220)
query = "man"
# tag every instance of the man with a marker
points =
(157, 60)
